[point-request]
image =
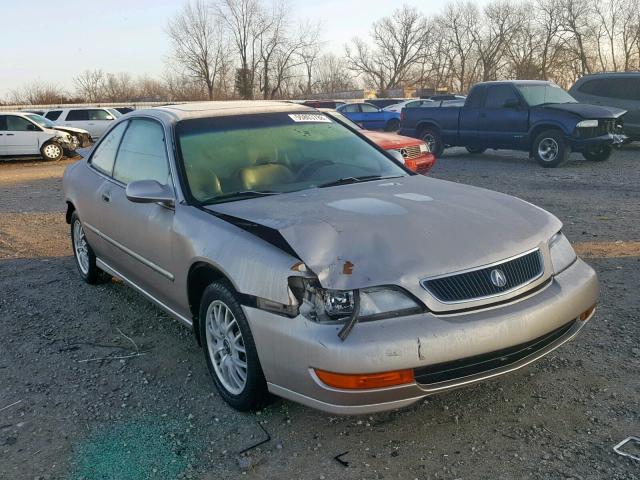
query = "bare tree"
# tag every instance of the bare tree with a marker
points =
(118, 87)
(576, 17)
(244, 20)
(458, 22)
(310, 55)
(198, 44)
(89, 85)
(37, 93)
(399, 43)
(332, 75)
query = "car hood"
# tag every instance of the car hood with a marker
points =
(70, 130)
(389, 140)
(587, 111)
(395, 231)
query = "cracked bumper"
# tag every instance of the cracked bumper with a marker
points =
(290, 348)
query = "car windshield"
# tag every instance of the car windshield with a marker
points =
(536, 95)
(40, 120)
(114, 112)
(235, 157)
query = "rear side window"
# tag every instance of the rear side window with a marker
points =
(105, 154)
(142, 154)
(498, 95)
(99, 114)
(621, 87)
(53, 114)
(3, 122)
(77, 115)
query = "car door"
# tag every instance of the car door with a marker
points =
(22, 137)
(90, 202)
(140, 234)
(372, 117)
(504, 118)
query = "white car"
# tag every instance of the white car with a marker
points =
(96, 120)
(416, 103)
(21, 135)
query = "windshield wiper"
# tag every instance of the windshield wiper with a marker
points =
(348, 180)
(227, 197)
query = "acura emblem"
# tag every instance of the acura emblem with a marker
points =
(498, 278)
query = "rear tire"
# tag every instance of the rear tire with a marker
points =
(83, 254)
(432, 137)
(393, 125)
(550, 149)
(230, 350)
(475, 150)
(51, 151)
(598, 155)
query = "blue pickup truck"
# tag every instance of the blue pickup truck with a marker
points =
(528, 115)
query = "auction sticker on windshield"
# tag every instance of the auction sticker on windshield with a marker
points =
(309, 117)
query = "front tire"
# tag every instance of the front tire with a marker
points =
(230, 350)
(83, 254)
(550, 149)
(599, 154)
(51, 151)
(432, 137)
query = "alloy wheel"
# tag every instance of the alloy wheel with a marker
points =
(226, 347)
(548, 149)
(52, 151)
(81, 247)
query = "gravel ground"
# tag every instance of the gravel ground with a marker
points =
(67, 412)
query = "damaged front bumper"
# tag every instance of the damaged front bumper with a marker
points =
(444, 351)
(584, 144)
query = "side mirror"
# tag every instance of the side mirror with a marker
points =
(397, 155)
(150, 191)
(512, 104)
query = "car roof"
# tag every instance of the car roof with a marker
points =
(21, 114)
(609, 74)
(226, 108)
(516, 82)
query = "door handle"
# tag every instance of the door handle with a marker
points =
(106, 197)
(10, 134)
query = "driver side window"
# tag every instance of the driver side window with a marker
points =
(366, 108)
(142, 154)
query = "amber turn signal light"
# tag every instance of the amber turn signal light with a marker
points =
(366, 380)
(587, 313)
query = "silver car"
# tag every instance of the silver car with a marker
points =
(312, 265)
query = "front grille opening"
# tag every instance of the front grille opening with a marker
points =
(478, 284)
(457, 369)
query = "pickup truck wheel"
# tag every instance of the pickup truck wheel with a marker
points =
(599, 154)
(83, 253)
(475, 150)
(51, 151)
(432, 138)
(393, 125)
(230, 350)
(550, 149)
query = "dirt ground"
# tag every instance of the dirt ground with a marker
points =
(72, 408)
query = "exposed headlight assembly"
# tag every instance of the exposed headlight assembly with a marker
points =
(587, 124)
(562, 253)
(346, 307)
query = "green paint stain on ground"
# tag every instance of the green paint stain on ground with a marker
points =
(137, 450)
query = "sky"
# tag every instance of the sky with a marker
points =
(52, 41)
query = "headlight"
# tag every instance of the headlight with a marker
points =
(424, 148)
(335, 306)
(587, 124)
(562, 253)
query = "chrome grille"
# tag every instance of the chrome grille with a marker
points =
(478, 284)
(410, 152)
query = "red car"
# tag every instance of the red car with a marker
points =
(416, 154)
